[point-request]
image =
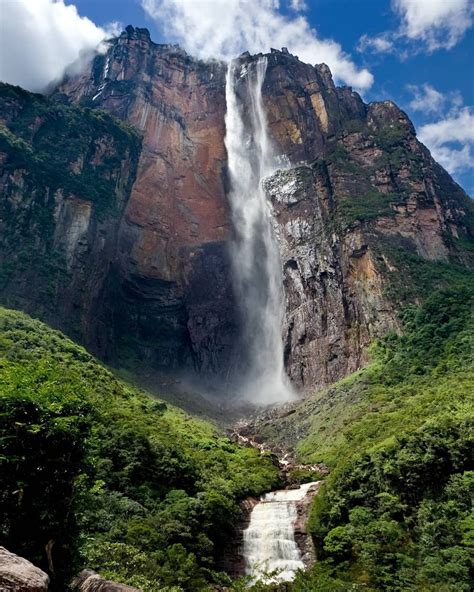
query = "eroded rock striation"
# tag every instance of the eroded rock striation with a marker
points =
(178, 310)
(140, 272)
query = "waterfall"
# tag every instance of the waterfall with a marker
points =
(257, 275)
(269, 541)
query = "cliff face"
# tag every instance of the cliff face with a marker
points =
(65, 180)
(176, 300)
(361, 195)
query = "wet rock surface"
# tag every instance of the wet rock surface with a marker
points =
(302, 537)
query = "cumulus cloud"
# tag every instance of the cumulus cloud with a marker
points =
(225, 28)
(451, 139)
(439, 23)
(426, 99)
(432, 24)
(40, 38)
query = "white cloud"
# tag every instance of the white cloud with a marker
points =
(426, 99)
(451, 140)
(40, 38)
(225, 28)
(439, 23)
(380, 44)
(298, 5)
(432, 24)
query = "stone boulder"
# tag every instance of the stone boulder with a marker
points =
(90, 581)
(20, 575)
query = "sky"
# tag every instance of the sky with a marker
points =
(418, 53)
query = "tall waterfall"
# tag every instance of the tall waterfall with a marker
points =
(258, 281)
(269, 540)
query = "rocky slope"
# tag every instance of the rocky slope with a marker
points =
(360, 200)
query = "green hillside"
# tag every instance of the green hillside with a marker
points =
(107, 477)
(395, 513)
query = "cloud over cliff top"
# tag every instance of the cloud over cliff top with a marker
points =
(225, 28)
(40, 38)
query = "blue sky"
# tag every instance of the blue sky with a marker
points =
(419, 53)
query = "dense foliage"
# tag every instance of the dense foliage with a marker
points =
(395, 514)
(400, 518)
(95, 473)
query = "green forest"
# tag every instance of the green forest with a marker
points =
(107, 476)
(126, 484)
(395, 512)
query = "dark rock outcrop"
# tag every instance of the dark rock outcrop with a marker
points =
(302, 537)
(19, 575)
(232, 560)
(147, 281)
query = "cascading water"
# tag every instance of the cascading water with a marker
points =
(269, 541)
(258, 281)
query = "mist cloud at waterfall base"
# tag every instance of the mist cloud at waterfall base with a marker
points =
(265, 390)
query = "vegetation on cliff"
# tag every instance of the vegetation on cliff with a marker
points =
(55, 158)
(96, 473)
(64, 147)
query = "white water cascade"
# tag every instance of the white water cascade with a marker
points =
(269, 541)
(258, 281)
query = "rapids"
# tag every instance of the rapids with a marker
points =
(269, 541)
